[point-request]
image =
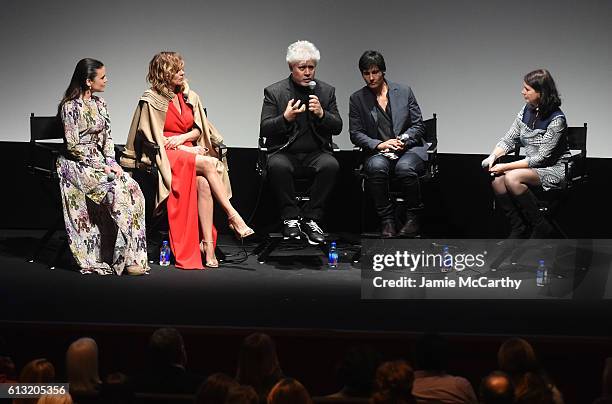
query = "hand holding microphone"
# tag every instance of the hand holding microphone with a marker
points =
(314, 105)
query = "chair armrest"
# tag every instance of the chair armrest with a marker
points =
(221, 150)
(335, 147)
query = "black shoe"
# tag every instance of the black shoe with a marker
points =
(291, 229)
(540, 225)
(411, 227)
(518, 225)
(388, 229)
(312, 231)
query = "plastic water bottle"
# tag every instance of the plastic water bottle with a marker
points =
(446, 260)
(332, 258)
(542, 274)
(164, 254)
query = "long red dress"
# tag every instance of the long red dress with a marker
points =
(182, 202)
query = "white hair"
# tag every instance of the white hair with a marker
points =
(301, 51)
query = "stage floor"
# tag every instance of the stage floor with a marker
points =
(293, 292)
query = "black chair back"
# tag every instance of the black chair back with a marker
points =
(431, 131)
(45, 128)
(42, 153)
(576, 138)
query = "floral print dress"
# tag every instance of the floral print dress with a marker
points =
(104, 218)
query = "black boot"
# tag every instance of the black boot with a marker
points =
(411, 226)
(518, 227)
(412, 197)
(379, 190)
(387, 228)
(529, 203)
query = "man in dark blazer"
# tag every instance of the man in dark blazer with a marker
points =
(298, 119)
(385, 121)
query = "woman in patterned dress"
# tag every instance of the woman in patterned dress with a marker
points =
(540, 129)
(95, 191)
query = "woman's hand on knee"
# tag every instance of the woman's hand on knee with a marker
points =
(116, 168)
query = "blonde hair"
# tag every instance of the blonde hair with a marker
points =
(36, 371)
(162, 68)
(55, 399)
(82, 365)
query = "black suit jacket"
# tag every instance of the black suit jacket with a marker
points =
(279, 133)
(405, 114)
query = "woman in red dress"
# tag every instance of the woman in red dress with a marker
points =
(171, 115)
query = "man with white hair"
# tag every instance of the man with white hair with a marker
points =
(298, 119)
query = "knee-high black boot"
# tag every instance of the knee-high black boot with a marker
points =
(529, 203)
(518, 227)
(412, 196)
(379, 190)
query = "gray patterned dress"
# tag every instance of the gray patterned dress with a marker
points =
(104, 219)
(543, 142)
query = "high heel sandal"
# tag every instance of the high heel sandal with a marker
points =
(213, 263)
(242, 233)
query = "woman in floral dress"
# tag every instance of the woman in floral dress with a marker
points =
(95, 191)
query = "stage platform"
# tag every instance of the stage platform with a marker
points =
(297, 291)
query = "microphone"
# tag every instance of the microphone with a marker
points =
(110, 176)
(311, 85)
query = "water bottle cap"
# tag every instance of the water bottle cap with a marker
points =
(333, 243)
(165, 242)
(541, 262)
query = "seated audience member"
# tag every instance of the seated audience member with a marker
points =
(215, 388)
(517, 358)
(55, 399)
(289, 391)
(496, 388)
(117, 389)
(258, 364)
(393, 384)
(36, 371)
(242, 395)
(385, 121)
(167, 371)
(356, 372)
(297, 123)
(7, 366)
(539, 127)
(431, 382)
(82, 370)
(606, 397)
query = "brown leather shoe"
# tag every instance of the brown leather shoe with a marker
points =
(411, 227)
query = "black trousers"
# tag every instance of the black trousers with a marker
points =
(378, 169)
(284, 167)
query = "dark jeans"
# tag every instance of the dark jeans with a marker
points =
(283, 167)
(378, 169)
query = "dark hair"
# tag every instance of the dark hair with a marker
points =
(258, 364)
(215, 389)
(85, 69)
(372, 58)
(394, 382)
(357, 370)
(289, 391)
(516, 357)
(432, 352)
(166, 347)
(496, 388)
(242, 395)
(542, 82)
